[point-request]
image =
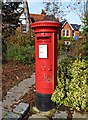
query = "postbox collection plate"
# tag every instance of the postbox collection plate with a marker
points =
(42, 51)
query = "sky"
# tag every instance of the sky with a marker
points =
(36, 7)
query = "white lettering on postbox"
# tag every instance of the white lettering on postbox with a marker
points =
(42, 51)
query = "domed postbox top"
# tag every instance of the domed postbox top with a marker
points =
(45, 26)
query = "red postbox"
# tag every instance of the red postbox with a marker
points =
(46, 33)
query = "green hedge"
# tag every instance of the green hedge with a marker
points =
(19, 47)
(22, 39)
(66, 38)
(23, 54)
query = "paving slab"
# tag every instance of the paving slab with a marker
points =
(12, 116)
(77, 115)
(22, 109)
(61, 115)
(17, 113)
(38, 117)
(4, 113)
(18, 91)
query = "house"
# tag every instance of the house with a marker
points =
(70, 30)
(37, 17)
(42, 16)
(33, 18)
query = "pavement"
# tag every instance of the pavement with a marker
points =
(17, 91)
(0, 110)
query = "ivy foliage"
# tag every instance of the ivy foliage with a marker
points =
(71, 90)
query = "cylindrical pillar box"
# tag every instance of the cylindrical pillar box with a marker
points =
(46, 33)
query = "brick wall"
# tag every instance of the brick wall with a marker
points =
(67, 27)
(76, 33)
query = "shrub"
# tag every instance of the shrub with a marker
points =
(78, 86)
(63, 82)
(22, 39)
(66, 38)
(23, 54)
(76, 49)
(71, 90)
(85, 49)
(61, 46)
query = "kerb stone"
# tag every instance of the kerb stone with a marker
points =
(22, 109)
(13, 116)
(38, 117)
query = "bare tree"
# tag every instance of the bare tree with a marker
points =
(61, 9)
(76, 6)
(54, 8)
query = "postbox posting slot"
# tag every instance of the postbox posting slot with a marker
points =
(44, 38)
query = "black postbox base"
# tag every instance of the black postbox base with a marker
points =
(43, 102)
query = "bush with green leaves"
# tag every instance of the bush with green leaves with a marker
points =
(23, 54)
(67, 38)
(85, 49)
(20, 47)
(22, 39)
(85, 34)
(61, 46)
(71, 90)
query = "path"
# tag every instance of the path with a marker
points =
(0, 110)
(17, 91)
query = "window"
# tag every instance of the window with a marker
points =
(67, 34)
(63, 32)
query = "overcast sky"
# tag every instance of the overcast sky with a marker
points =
(48, 0)
(36, 7)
